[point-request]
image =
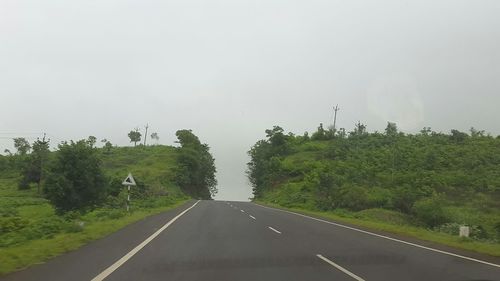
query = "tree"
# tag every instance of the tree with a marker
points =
(135, 136)
(154, 136)
(76, 180)
(391, 129)
(278, 140)
(476, 133)
(7, 151)
(457, 136)
(196, 172)
(33, 169)
(319, 134)
(426, 131)
(108, 146)
(91, 140)
(22, 146)
(342, 133)
(359, 130)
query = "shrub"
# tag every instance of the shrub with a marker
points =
(497, 229)
(430, 211)
(76, 226)
(45, 228)
(352, 197)
(76, 180)
(477, 232)
(10, 224)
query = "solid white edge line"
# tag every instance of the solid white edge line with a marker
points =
(252, 217)
(386, 237)
(354, 276)
(274, 230)
(134, 251)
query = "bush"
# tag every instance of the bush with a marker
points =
(45, 228)
(76, 180)
(430, 211)
(477, 232)
(378, 197)
(10, 224)
(354, 198)
(76, 226)
(497, 229)
(383, 215)
(404, 197)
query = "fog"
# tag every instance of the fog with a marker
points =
(228, 70)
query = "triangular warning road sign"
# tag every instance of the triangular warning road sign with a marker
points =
(129, 180)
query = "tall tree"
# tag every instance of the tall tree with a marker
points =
(391, 129)
(197, 170)
(22, 146)
(91, 140)
(135, 136)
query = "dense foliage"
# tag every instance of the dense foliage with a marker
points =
(75, 177)
(434, 178)
(72, 174)
(75, 180)
(196, 172)
(32, 165)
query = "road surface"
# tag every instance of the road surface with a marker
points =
(218, 240)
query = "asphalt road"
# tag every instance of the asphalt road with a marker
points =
(217, 240)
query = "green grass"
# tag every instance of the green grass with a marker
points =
(31, 232)
(35, 251)
(395, 223)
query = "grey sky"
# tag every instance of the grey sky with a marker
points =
(230, 69)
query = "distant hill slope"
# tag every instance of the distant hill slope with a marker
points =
(430, 180)
(155, 166)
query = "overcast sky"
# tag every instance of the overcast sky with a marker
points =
(230, 69)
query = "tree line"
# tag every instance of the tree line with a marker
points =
(72, 177)
(415, 174)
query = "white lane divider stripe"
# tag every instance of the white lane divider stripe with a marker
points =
(386, 237)
(242, 211)
(134, 251)
(354, 276)
(274, 230)
(252, 217)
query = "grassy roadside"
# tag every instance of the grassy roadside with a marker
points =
(404, 230)
(32, 252)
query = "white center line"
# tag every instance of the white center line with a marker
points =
(242, 211)
(354, 276)
(252, 217)
(274, 230)
(134, 251)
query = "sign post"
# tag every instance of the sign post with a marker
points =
(128, 182)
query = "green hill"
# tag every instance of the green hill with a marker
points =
(28, 220)
(425, 184)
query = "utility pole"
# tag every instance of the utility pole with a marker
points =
(42, 155)
(146, 134)
(335, 109)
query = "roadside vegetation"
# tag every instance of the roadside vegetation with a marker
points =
(55, 201)
(424, 185)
